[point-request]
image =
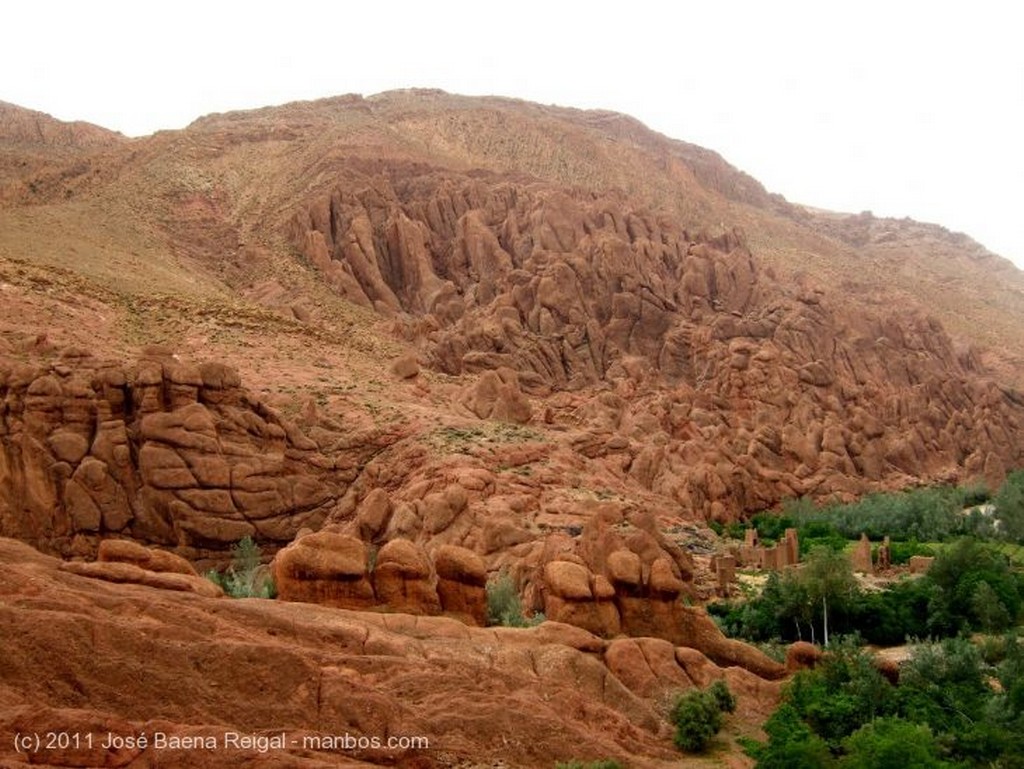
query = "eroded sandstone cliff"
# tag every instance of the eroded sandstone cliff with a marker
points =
(730, 389)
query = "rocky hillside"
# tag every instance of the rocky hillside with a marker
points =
(413, 341)
(125, 660)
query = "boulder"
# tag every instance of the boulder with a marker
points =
(624, 569)
(461, 583)
(402, 579)
(801, 655)
(405, 367)
(325, 568)
(577, 597)
(130, 573)
(497, 395)
(150, 558)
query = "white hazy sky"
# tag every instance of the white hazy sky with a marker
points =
(901, 107)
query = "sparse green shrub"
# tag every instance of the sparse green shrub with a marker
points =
(725, 699)
(504, 607)
(245, 577)
(697, 716)
(606, 763)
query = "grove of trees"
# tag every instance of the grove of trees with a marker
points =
(969, 587)
(950, 708)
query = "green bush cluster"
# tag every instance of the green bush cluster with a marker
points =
(245, 577)
(504, 606)
(930, 514)
(944, 712)
(606, 763)
(698, 715)
(969, 587)
(1009, 502)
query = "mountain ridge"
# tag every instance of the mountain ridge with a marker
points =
(415, 341)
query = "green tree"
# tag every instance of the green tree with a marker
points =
(829, 581)
(697, 716)
(891, 743)
(791, 743)
(957, 573)
(844, 692)
(988, 609)
(795, 603)
(946, 687)
(1009, 502)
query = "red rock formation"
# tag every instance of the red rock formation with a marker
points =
(755, 391)
(164, 453)
(325, 568)
(403, 579)
(801, 655)
(461, 583)
(150, 558)
(28, 127)
(577, 597)
(117, 571)
(496, 395)
(129, 659)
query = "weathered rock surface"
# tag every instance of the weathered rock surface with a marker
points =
(326, 568)
(585, 370)
(130, 573)
(461, 583)
(149, 558)
(128, 659)
(496, 395)
(737, 391)
(164, 452)
(29, 127)
(403, 579)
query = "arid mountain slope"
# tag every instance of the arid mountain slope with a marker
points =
(638, 287)
(411, 341)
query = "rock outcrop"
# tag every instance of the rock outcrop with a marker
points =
(404, 580)
(28, 127)
(117, 571)
(325, 568)
(163, 452)
(730, 391)
(577, 597)
(461, 583)
(128, 660)
(149, 558)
